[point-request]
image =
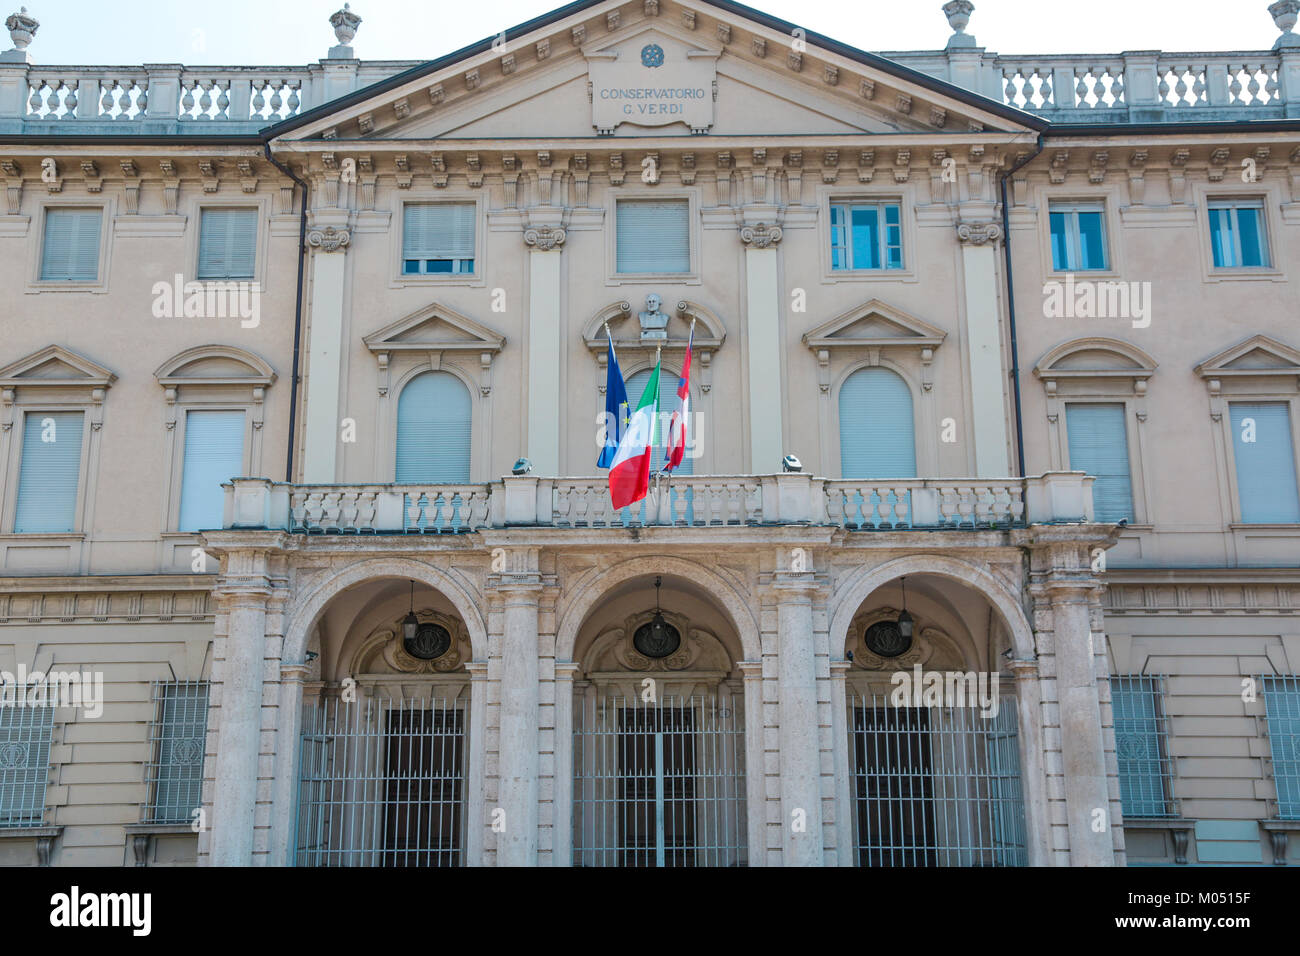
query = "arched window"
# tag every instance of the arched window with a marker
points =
(667, 405)
(877, 435)
(433, 430)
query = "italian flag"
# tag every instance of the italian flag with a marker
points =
(629, 475)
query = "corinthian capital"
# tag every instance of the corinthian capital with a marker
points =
(545, 238)
(760, 236)
(978, 233)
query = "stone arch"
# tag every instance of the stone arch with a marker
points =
(311, 605)
(733, 601)
(865, 581)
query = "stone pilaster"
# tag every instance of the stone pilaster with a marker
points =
(545, 239)
(988, 377)
(330, 239)
(518, 589)
(284, 797)
(800, 738)
(763, 353)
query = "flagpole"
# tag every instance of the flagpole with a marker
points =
(654, 430)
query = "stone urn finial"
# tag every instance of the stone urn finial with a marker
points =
(345, 24)
(958, 13)
(22, 29)
(1284, 14)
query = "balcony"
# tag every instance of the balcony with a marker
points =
(697, 501)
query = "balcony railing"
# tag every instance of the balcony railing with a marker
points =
(697, 501)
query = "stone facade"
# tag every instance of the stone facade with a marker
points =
(772, 579)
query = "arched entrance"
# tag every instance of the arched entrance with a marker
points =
(938, 762)
(384, 759)
(659, 761)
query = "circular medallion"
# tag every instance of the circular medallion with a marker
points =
(1130, 746)
(656, 638)
(652, 55)
(884, 639)
(13, 756)
(431, 641)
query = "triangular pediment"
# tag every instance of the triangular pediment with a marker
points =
(435, 328)
(53, 366)
(874, 324)
(1257, 355)
(569, 73)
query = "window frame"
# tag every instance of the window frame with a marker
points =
(258, 211)
(1066, 403)
(1269, 195)
(910, 220)
(1292, 404)
(1074, 235)
(36, 284)
(149, 808)
(693, 235)
(1159, 690)
(400, 279)
(1235, 205)
(881, 206)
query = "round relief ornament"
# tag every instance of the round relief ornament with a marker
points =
(652, 55)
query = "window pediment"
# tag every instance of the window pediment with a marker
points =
(215, 365)
(1095, 360)
(875, 324)
(1256, 357)
(55, 367)
(434, 328)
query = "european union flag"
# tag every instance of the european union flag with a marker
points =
(616, 411)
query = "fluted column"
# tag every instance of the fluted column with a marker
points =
(801, 796)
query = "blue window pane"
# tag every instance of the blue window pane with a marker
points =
(411, 267)
(437, 265)
(466, 266)
(1221, 238)
(1060, 242)
(1092, 243)
(1252, 243)
(891, 215)
(866, 239)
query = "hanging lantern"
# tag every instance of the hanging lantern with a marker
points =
(425, 642)
(905, 622)
(656, 638)
(891, 638)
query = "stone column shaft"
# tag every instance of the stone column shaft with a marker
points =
(800, 727)
(518, 757)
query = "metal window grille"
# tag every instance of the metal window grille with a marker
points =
(1146, 776)
(178, 738)
(1282, 708)
(26, 731)
(935, 786)
(382, 783)
(659, 784)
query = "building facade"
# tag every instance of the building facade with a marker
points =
(985, 551)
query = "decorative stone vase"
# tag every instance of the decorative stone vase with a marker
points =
(1284, 14)
(22, 28)
(958, 13)
(345, 24)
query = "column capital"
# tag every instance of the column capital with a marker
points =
(544, 238)
(329, 239)
(761, 235)
(978, 233)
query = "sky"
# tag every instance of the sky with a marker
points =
(296, 32)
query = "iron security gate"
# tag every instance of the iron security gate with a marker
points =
(659, 784)
(935, 786)
(382, 783)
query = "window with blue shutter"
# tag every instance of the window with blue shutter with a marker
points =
(70, 248)
(50, 472)
(1099, 446)
(433, 430)
(1078, 237)
(438, 238)
(227, 243)
(214, 453)
(1237, 234)
(653, 236)
(1265, 456)
(1141, 746)
(866, 236)
(877, 435)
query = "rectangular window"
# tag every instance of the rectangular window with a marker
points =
(438, 239)
(70, 249)
(178, 738)
(50, 472)
(1282, 707)
(866, 236)
(1099, 445)
(25, 734)
(1237, 234)
(1078, 237)
(214, 453)
(654, 236)
(1142, 746)
(1265, 456)
(227, 243)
